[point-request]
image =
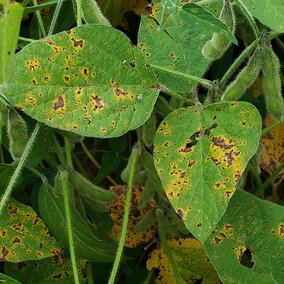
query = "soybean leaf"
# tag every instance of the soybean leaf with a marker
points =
(24, 236)
(268, 12)
(10, 24)
(191, 259)
(45, 271)
(89, 80)
(200, 12)
(172, 40)
(200, 154)
(247, 244)
(8, 280)
(87, 245)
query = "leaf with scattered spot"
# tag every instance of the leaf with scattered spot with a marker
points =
(46, 271)
(23, 235)
(86, 244)
(191, 259)
(268, 12)
(200, 153)
(172, 40)
(88, 80)
(10, 24)
(247, 244)
(116, 211)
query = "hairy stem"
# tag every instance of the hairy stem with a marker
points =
(39, 19)
(55, 17)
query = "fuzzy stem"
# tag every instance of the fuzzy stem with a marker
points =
(69, 227)
(68, 152)
(250, 18)
(175, 94)
(79, 12)
(270, 127)
(39, 19)
(55, 17)
(19, 167)
(58, 151)
(125, 217)
(205, 83)
(166, 247)
(26, 39)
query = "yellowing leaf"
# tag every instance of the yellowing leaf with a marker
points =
(191, 259)
(116, 210)
(23, 235)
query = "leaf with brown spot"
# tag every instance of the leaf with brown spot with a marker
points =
(92, 85)
(207, 149)
(49, 270)
(116, 211)
(248, 243)
(23, 235)
(191, 259)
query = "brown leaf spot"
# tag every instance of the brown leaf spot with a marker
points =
(220, 142)
(77, 43)
(191, 163)
(4, 253)
(16, 240)
(217, 240)
(59, 103)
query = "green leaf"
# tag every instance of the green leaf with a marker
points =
(45, 271)
(268, 12)
(200, 153)
(87, 245)
(24, 236)
(247, 244)
(200, 12)
(172, 40)
(89, 80)
(9, 31)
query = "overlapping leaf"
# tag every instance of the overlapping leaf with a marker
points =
(89, 80)
(268, 12)
(247, 245)
(200, 154)
(23, 235)
(172, 40)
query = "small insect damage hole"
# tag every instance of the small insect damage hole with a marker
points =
(132, 64)
(246, 259)
(137, 214)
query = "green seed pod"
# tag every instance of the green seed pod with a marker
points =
(169, 230)
(216, 47)
(246, 77)
(17, 134)
(148, 193)
(97, 205)
(149, 131)
(88, 190)
(3, 113)
(272, 84)
(145, 222)
(140, 177)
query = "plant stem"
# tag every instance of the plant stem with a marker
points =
(26, 39)
(94, 161)
(19, 167)
(176, 95)
(42, 177)
(79, 165)
(250, 18)
(58, 151)
(149, 277)
(69, 227)
(270, 127)
(89, 273)
(159, 213)
(55, 16)
(68, 152)
(268, 181)
(237, 62)
(79, 12)
(39, 19)
(205, 83)
(125, 217)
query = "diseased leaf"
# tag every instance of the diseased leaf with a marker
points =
(200, 153)
(23, 235)
(268, 12)
(116, 211)
(172, 40)
(86, 244)
(10, 24)
(46, 271)
(247, 244)
(191, 259)
(88, 80)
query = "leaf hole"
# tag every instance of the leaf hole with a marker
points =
(246, 259)
(137, 214)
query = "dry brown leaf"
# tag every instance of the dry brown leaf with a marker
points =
(273, 153)
(193, 264)
(116, 211)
